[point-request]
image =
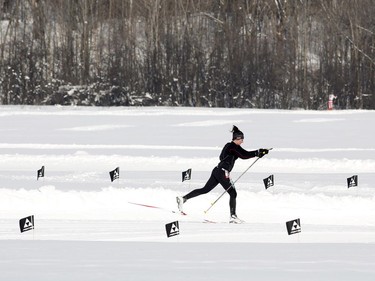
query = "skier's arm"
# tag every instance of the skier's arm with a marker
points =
(242, 153)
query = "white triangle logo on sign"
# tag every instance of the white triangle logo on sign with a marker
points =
(269, 182)
(295, 226)
(174, 229)
(27, 223)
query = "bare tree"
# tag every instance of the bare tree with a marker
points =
(245, 53)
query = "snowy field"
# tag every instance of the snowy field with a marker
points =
(86, 227)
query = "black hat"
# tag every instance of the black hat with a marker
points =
(237, 133)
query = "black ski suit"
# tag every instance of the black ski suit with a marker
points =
(220, 174)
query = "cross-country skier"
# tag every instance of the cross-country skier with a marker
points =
(220, 174)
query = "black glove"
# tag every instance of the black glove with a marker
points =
(262, 152)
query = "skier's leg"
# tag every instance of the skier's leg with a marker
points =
(232, 201)
(211, 184)
(225, 181)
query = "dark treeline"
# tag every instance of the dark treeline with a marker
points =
(228, 53)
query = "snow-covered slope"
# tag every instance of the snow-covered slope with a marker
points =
(313, 155)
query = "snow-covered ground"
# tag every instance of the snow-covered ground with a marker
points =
(87, 229)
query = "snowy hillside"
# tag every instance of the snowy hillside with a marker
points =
(313, 155)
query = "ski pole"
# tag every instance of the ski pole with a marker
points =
(232, 184)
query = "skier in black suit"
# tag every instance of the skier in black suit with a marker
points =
(221, 173)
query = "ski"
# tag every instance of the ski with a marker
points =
(159, 208)
(167, 210)
(238, 222)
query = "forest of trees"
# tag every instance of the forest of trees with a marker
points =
(220, 53)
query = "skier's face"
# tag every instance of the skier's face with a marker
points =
(238, 141)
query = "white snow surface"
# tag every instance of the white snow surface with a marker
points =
(86, 227)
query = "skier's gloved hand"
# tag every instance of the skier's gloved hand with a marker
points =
(262, 152)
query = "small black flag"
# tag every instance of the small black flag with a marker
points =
(40, 173)
(27, 223)
(352, 181)
(268, 182)
(186, 175)
(115, 174)
(293, 226)
(172, 229)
